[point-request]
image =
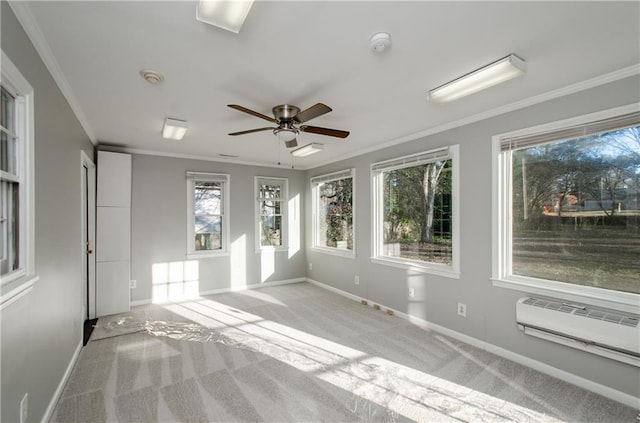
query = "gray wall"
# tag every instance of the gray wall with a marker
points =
(41, 331)
(490, 310)
(159, 225)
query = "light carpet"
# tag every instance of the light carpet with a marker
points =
(298, 353)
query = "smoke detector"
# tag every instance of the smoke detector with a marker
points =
(152, 77)
(380, 42)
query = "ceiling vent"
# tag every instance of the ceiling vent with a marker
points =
(152, 77)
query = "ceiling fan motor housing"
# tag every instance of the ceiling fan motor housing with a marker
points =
(285, 112)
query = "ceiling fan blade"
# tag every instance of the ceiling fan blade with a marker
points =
(249, 131)
(251, 112)
(325, 131)
(314, 111)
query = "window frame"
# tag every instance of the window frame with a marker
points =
(284, 184)
(225, 180)
(502, 232)
(377, 215)
(20, 281)
(315, 182)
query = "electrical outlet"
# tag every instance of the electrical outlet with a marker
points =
(310, 266)
(133, 283)
(412, 292)
(357, 280)
(462, 309)
(24, 408)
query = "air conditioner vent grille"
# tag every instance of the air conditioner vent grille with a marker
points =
(614, 318)
(596, 315)
(584, 311)
(629, 321)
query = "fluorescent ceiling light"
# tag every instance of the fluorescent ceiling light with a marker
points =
(492, 74)
(225, 14)
(308, 150)
(174, 129)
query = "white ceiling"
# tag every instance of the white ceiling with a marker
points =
(306, 52)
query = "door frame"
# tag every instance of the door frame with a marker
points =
(88, 236)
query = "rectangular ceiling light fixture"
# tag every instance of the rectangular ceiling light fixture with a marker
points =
(174, 129)
(487, 76)
(308, 150)
(225, 14)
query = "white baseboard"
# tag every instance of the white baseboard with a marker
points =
(592, 386)
(232, 289)
(56, 395)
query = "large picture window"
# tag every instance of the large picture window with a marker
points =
(271, 210)
(208, 211)
(415, 211)
(569, 207)
(333, 223)
(16, 176)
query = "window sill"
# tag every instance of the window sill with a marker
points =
(16, 289)
(335, 252)
(433, 269)
(208, 254)
(622, 301)
(271, 249)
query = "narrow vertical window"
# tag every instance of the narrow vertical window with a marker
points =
(10, 186)
(271, 208)
(208, 213)
(16, 175)
(333, 214)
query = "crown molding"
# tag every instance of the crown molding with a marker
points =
(218, 159)
(31, 28)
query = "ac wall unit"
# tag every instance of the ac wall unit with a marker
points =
(600, 331)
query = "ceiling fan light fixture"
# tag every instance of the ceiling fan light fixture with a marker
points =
(174, 129)
(286, 134)
(225, 14)
(487, 76)
(308, 150)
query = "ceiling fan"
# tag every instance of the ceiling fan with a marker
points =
(288, 119)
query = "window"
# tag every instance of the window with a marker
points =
(208, 211)
(16, 177)
(333, 227)
(271, 211)
(415, 206)
(568, 208)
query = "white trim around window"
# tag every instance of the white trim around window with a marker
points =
(281, 212)
(502, 206)
(316, 182)
(377, 213)
(20, 281)
(221, 212)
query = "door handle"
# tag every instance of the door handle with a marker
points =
(89, 251)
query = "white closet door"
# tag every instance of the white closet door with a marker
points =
(112, 291)
(114, 179)
(113, 234)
